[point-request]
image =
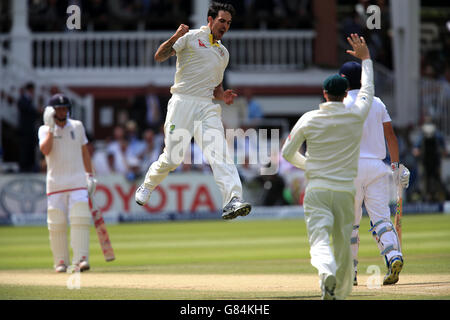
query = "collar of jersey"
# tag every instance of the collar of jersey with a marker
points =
(211, 40)
(331, 105)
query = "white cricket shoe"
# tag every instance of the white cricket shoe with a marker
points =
(61, 268)
(83, 265)
(142, 195)
(328, 286)
(236, 207)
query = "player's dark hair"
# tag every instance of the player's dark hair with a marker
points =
(215, 7)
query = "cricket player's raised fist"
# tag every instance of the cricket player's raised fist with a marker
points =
(359, 46)
(182, 30)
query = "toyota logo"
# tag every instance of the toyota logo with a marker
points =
(24, 196)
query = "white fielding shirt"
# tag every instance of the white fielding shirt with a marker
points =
(65, 167)
(200, 64)
(333, 134)
(372, 141)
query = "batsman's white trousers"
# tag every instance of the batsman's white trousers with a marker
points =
(372, 188)
(189, 116)
(329, 213)
(61, 206)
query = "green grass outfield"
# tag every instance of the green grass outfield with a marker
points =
(220, 260)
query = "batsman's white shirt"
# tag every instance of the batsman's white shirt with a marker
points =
(65, 167)
(200, 64)
(372, 141)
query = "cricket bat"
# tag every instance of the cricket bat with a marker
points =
(398, 213)
(102, 233)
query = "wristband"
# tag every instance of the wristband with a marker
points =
(394, 166)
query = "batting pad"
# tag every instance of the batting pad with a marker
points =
(57, 227)
(80, 222)
(383, 231)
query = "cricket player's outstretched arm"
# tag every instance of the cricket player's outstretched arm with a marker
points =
(291, 147)
(166, 50)
(367, 91)
(226, 96)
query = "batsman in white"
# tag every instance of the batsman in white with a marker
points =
(201, 62)
(373, 178)
(69, 182)
(332, 134)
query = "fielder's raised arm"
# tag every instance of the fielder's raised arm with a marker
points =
(367, 91)
(166, 50)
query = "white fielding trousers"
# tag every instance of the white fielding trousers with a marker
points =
(328, 214)
(372, 188)
(200, 118)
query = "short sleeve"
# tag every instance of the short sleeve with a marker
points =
(181, 43)
(385, 114)
(84, 139)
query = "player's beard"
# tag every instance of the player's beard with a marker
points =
(61, 119)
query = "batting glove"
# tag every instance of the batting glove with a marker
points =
(404, 176)
(91, 184)
(49, 118)
(400, 174)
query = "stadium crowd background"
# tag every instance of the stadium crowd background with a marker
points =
(137, 138)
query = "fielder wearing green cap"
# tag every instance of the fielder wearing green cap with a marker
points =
(332, 134)
(335, 85)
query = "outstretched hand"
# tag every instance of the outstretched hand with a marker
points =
(359, 46)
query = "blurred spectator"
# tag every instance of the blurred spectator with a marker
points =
(151, 151)
(248, 172)
(123, 15)
(297, 13)
(135, 145)
(28, 123)
(430, 148)
(272, 186)
(406, 156)
(254, 110)
(167, 14)
(47, 15)
(352, 24)
(147, 111)
(118, 157)
(97, 14)
(100, 159)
